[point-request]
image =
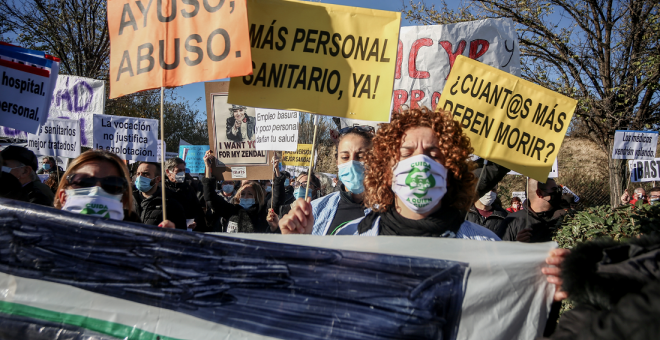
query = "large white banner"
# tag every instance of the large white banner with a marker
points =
(133, 139)
(427, 53)
(56, 137)
(25, 93)
(647, 170)
(276, 130)
(629, 144)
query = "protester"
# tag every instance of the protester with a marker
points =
(268, 189)
(228, 189)
(516, 205)
(640, 194)
(541, 216)
(148, 198)
(175, 171)
(10, 187)
(248, 212)
(21, 163)
(48, 166)
(288, 189)
(487, 213)
(415, 185)
(654, 195)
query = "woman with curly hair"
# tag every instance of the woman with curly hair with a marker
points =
(418, 181)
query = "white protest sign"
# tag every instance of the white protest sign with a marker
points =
(519, 194)
(630, 144)
(644, 170)
(133, 139)
(169, 155)
(56, 137)
(276, 130)
(554, 172)
(43, 178)
(238, 172)
(566, 190)
(427, 53)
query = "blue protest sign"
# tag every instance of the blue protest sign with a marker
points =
(193, 155)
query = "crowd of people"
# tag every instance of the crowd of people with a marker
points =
(413, 177)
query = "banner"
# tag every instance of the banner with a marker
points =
(276, 130)
(510, 121)
(26, 88)
(644, 170)
(327, 59)
(427, 54)
(234, 139)
(128, 281)
(56, 137)
(634, 144)
(133, 139)
(300, 157)
(193, 155)
(173, 43)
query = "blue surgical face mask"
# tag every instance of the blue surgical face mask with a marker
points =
(228, 188)
(352, 175)
(269, 189)
(46, 166)
(143, 184)
(246, 202)
(300, 192)
(286, 182)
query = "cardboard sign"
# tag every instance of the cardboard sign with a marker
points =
(634, 144)
(427, 54)
(276, 130)
(327, 59)
(510, 121)
(133, 139)
(238, 172)
(300, 157)
(173, 43)
(644, 170)
(193, 155)
(56, 137)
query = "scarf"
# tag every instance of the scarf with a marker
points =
(443, 223)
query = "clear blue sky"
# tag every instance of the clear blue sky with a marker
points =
(194, 91)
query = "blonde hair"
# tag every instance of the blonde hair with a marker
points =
(97, 155)
(258, 193)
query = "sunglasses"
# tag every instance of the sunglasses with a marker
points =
(113, 185)
(360, 128)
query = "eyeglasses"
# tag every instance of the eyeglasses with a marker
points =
(113, 185)
(360, 128)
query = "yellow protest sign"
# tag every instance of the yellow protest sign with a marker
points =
(299, 157)
(510, 121)
(327, 59)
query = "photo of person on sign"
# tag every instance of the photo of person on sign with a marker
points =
(240, 126)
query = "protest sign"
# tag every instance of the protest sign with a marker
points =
(300, 157)
(159, 151)
(510, 121)
(554, 171)
(519, 194)
(427, 53)
(238, 172)
(566, 190)
(327, 59)
(133, 139)
(56, 137)
(172, 43)
(212, 286)
(169, 155)
(644, 170)
(26, 88)
(193, 155)
(634, 144)
(276, 130)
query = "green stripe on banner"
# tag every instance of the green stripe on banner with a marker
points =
(100, 326)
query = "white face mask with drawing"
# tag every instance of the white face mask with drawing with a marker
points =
(420, 182)
(94, 201)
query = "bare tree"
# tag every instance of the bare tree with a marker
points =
(604, 53)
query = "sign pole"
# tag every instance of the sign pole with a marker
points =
(272, 182)
(311, 159)
(162, 153)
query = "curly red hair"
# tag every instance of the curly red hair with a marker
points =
(455, 150)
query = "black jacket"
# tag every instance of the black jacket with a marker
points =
(252, 220)
(150, 209)
(32, 194)
(544, 224)
(615, 288)
(492, 222)
(187, 197)
(493, 174)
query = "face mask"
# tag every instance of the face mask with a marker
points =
(488, 198)
(420, 182)
(286, 182)
(555, 199)
(7, 169)
(180, 177)
(653, 201)
(46, 166)
(94, 201)
(228, 188)
(269, 189)
(143, 184)
(352, 175)
(246, 202)
(300, 193)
